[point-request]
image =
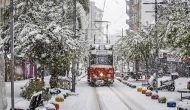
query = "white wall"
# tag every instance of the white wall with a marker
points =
(147, 12)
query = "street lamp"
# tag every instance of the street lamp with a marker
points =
(156, 45)
(73, 70)
(12, 53)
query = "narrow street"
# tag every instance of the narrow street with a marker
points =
(116, 97)
(94, 54)
(108, 100)
(93, 98)
(87, 98)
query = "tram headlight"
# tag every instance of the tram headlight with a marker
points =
(101, 74)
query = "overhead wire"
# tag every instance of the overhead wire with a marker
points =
(104, 5)
(102, 17)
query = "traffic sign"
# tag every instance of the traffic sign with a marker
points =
(170, 57)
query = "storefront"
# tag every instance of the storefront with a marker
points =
(28, 69)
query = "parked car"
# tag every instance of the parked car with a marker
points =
(183, 106)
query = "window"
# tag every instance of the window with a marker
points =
(101, 59)
(134, 18)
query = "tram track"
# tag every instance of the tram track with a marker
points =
(101, 105)
(127, 98)
(120, 97)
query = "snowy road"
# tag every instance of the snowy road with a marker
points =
(117, 97)
(108, 100)
(86, 100)
(125, 95)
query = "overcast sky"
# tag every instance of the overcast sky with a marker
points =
(115, 12)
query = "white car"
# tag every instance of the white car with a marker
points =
(184, 106)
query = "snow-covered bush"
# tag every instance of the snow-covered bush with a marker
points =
(33, 88)
(50, 107)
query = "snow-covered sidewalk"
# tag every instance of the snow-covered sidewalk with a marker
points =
(87, 99)
(138, 99)
(145, 101)
(84, 101)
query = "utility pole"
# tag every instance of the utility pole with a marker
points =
(12, 53)
(1, 13)
(107, 33)
(156, 46)
(122, 32)
(73, 59)
(121, 55)
(122, 48)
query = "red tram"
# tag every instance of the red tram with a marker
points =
(100, 70)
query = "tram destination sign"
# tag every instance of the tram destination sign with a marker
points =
(101, 52)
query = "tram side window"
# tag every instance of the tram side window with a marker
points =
(110, 59)
(92, 59)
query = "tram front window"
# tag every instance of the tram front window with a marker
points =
(101, 60)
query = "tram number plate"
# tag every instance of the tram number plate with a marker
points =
(101, 52)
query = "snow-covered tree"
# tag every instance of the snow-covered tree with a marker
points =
(131, 49)
(40, 16)
(173, 28)
(137, 47)
(43, 32)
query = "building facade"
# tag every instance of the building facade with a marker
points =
(3, 4)
(141, 13)
(133, 11)
(94, 26)
(4, 14)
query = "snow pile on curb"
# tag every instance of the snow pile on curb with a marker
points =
(49, 106)
(22, 105)
(171, 100)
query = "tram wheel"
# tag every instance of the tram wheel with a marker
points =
(91, 84)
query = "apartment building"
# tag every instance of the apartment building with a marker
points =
(133, 13)
(3, 7)
(3, 3)
(141, 13)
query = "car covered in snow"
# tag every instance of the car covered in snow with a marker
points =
(117, 73)
(174, 75)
